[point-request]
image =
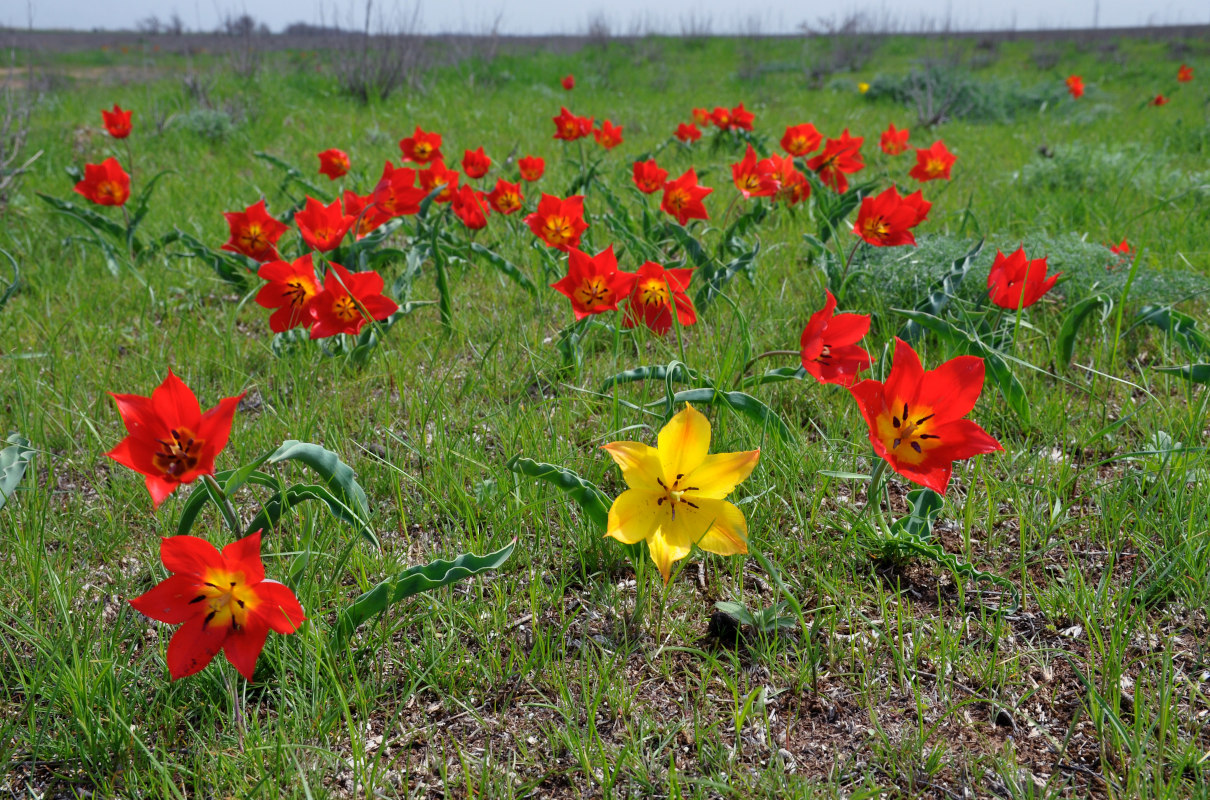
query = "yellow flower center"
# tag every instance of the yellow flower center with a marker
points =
(876, 227)
(345, 308)
(252, 239)
(109, 189)
(228, 598)
(677, 199)
(298, 292)
(421, 150)
(179, 453)
(934, 167)
(675, 494)
(558, 230)
(594, 292)
(508, 202)
(905, 437)
(653, 292)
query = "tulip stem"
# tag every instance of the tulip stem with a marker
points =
(768, 354)
(875, 487)
(844, 273)
(224, 504)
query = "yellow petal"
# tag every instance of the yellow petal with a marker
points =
(640, 464)
(664, 552)
(720, 473)
(728, 536)
(684, 442)
(634, 516)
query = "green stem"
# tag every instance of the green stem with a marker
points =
(224, 504)
(875, 487)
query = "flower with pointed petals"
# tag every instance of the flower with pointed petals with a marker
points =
(648, 176)
(608, 135)
(1075, 86)
(506, 197)
(798, 140)
(793, 186)
(1183, 75)
(396, 193)
(367, 213)
(105, 184)
(1159, 100)
(117, 122)
(916, 418)
(839, 158)
(887, 220)
(346, 300)
(323, 227)
(221, 600)
(687, 132)
(676, 495)
(829, 344)
(531, 168)
(702, 116)
(594, 284)
(170, 441)
(1015, 281)
(333, 163)
(656, 291)
(569, 82)
(558, 223)
(894, 142)
(683, 198)
(470, 206)
(569, 127)
(750, 179)
(721, 118)
(290, 290)
(254, 233)
(476, 163)
(439, 175)
(1122, 249)
(933, 163)
(742, 118)
(421, 147)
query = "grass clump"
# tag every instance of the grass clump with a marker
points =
(941, 92)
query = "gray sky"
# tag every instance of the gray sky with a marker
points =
(562, 16)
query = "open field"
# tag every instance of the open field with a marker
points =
(570, 671)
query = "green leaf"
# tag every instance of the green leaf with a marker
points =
(1065, 342)
(720, 276)
(777, 375)
(743, 404)
(926, 506)
(291, 174)
(411, 582)
(693, 248)
(1181, 327)
(230, 480)
(506, 267)
(231, 268)
(737, 611)
(338, 476)
(13, 461)
(11, 289)
(271, 511)
(141, 206)
(942, 291)
(592, 500)
(1198, 373)
(86, 216)
(680, 373)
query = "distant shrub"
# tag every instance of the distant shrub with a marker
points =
(1098, 169)
(210, 124)
(940, 93)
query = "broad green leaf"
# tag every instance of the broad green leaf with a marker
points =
(87, 217)
(411, 582)
(1198, 373)
(1065, 342)
(592, 500)
(338, 475)
(737, 611)
(941, 292)
(13, 461)
(777, 375)
(1180, 326)
(230, 480)
(926, 506)
(693, 248)
(271, 511)
(744, 404)
(679, 373)
(505, 267)
(231, 268)
(719, 276)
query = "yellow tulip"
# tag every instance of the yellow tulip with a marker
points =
(677, 493)
(863, 87)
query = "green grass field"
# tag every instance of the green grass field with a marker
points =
(893, 676)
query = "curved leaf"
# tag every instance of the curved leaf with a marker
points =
(680, 373)
(594, 502)
(86, 216)
(744, 404)
(338, 476)
(411, 582)
(13, 461)
(693, 248)
(506, 267)
(942, 291)
(1065, 342)
(1178, 325)
(716, 277)
(1198, 373)
(141, 206)
(230, 480)
(777, 375)
(271, 511)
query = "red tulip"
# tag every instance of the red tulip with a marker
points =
(396, 193)
(648, 176)
(721, 118)
(683, 198)
(290, 289)
(742, 118)
(887, 220)
(793, 186)
(569, 82)
(421, 147)
(254, 233)
(222, 601)
(531, 167)
(475, 163)
(688, 132)
(829, 344)
(656, 291)
(117, 122)
(750, 179)
(366, 212)
(105, 184)
(347, 299)
(322, 227)
(558, 223)
(916, 418)
(1015, 281)
(594, 284)
(933, 164)
(170, 440)
(1183, 75)
(470, 206)
(839, 157)
(1122, 249)
(1159, 100)
(569, 127)
(506, 197)
(799, 140)
(608, 135)
(439, 175)
(333, 163)
(702, 116)
(894, 141)
(1075, 86)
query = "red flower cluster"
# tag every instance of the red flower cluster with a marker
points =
(470, 206)
(1075, 86)
(569, 127)
(342, 305)
(753, 178)
(594, 284)
(688, 132)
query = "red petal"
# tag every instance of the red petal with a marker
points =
(952, 388)
(169, 600)
(903, 384)
(193, 646)
(962, 439)
(243, 555)
(846, 329)
(189, 555)
(215, 429)
(139, 415)
(136, 454)
(279, 608)
(159, 488)
(243, 646)
(176, 404)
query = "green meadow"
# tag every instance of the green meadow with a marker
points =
(852, 666)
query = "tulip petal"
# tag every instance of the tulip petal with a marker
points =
(664, 553)
(279, 608)
(952, 388)
(963, 439)
(243, 645)
(159, 488)
(684, 442)
(176, 404)
(719, 474)
(634, 516)
(903, 383)
(728, 536)
(170, 600)
(189, 555)
(193, 646)
(243, 555)
(640, 464)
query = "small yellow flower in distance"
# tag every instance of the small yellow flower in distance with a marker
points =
(863, 87)
(677, 493)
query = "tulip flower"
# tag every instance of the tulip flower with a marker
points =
(569, 82)
(916, 418)
(894, 142)
(117, 122)
(333, 163)
(656, 291)
(365, 210)
(594, 284)
(887, 220)
(470, 206)
(221, 600)
(439, 175)
(702, 116)
(254, 233)
(1075, 86)
(1183, 75)
(421, 147)
(105, 184)
(687, 132)
(396, 193)
(839, 157)
(721, 118)
(648, 176)
(170, 440)
(1016, 282)
(1122, 249)
(1159, 100)
(608, 135)
(742, 118)
(506, 197)
(676, 495)
(531, 168)
(793, 186)
(346, 300)
(475, 163)
(933, 163)
(829, 346)
(323, 227)
(750, 179)
(558, 223)
(569, 127)
(683, 198)
(862, 87)
(798, 140)
(290, 290)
